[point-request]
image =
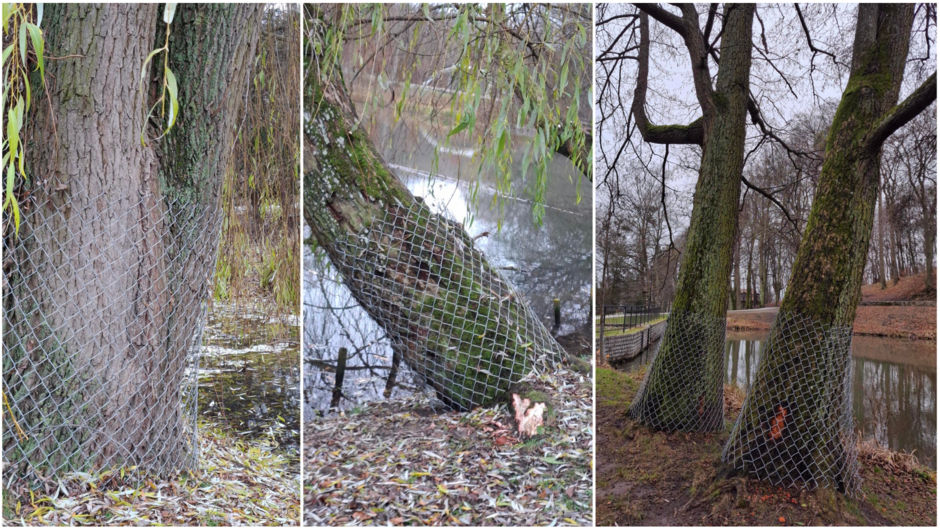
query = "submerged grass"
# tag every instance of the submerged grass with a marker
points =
(237, 483)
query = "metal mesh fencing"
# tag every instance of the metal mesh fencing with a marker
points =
(455, 320)
(104, 300)
(796, 427)
(683, 388)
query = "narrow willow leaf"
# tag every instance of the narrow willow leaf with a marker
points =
(169, 12)
(460, 127)
(23, 43)
(13, 133)
(6, 53)
(7, 11)
(15, 206)
(35, 35)
(143, 70)
(11, 180)
(174, 101)
(39, 14)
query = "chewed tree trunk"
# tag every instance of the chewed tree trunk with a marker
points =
(454, 319)
(796, 423)
(683, 389)
(111, 265)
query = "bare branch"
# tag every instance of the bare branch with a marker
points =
(669, 134)
(902, 113)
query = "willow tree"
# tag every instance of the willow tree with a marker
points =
(449, 313)
(683, 388)
(792, 426)
(108, 272)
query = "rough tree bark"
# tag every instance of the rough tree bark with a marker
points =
(670, 398)
(827, 275)
(97, 340)
(438, 292)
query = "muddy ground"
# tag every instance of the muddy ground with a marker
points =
(654, 478)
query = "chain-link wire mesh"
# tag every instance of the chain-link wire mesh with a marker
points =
(104, 300)
(456, 321)
(796, 427)
(683, 388)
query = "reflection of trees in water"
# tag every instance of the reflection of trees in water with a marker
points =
(249, 374)
(895, 404)
(333, 320)
(250, 393)
(898, 404)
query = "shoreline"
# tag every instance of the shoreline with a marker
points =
(886, 321)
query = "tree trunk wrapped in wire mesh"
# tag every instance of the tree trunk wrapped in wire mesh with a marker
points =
(102, 332)
(459, 324)
(683, 389)
(107, 279)
(796, 427)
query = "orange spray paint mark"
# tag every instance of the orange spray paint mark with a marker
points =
(776, 424)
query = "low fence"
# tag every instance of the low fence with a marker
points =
(628, 346)
(622, 317)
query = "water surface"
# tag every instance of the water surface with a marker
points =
(894, 389)
(249, 374)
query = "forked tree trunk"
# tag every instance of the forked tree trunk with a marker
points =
(113, 261)
(679, 397)
(457, 323)
(789, 420)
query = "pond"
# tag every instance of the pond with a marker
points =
(894, 387)
(543, 262)
(249, 374)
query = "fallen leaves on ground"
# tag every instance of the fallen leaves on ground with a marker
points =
(237, 484)
(405, 462)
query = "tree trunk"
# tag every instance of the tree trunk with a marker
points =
(892, 242)
(736, 272)
(107, 297)
(460, 325)
(796, 424)
(683, 388)
(881, 243)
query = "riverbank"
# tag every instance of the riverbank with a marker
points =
(409, 461)
(905, 310)
(656, 478)
(237, 483)
(912, 323)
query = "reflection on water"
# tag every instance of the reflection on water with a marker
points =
(543, 262)
(249, 378)
(334, 320)
(894, 388)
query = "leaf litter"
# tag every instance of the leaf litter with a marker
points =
(238, 483)
(410, 461)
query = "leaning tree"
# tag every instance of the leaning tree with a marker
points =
(796, 424)
(449, 313)
(107, 275)
(683, 388)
